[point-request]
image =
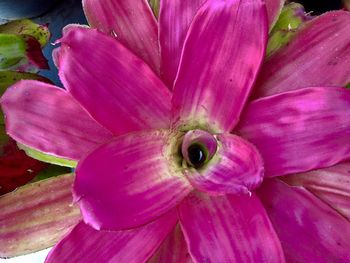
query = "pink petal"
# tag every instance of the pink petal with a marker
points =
(319, 55)
(309, 230)
(131, 21)
(228, 229)
(173, 250)
(216, 73)
(85, 244)
(274, 8)
(299, 130)
(332, 185)
(236, 167)
(116, 87)
(48, 119)
(175, 18)
(138, 180)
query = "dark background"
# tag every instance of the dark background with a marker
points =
(318, 7)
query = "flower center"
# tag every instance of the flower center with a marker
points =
(198, 147)
(197, 155)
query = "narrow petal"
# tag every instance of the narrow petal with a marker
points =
(216, 73)
(138, 180)
(300, 64)
(173, 250)
(48, 119)
(309, 230)
(237, 167)
(274, 8)
(118, 89)
(299, 130)
(36, 216)
(228, 229)
(85, 244)
(174, 20)
(332, 185)
(131, 22)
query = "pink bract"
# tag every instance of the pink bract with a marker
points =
(172, 152)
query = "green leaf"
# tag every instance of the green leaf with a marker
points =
(12, 50)
(7, 78)
(37, 216)
(27, 27)
(51, 171)
(47, 158)
(348, 86)
(155, 7)
(21, 52)
(291, 18)
(3, 136)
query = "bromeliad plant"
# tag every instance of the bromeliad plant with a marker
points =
(21, 43)
(183, 140)
(41, 203)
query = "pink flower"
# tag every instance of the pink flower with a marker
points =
(173, 171)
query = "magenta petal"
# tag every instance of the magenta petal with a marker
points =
(131, 22)
(175, 18)
(173, 250)
(274, 8)
(48, 119)
(299, 130)
(309, 230)
(228, 229)
(85, 244)
(332, 185)
(117, 88)
(129, 181)
(216, 73)
(319, 55)
(237, 167)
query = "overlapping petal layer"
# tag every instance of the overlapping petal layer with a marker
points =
(237, 167)
(131, 22)
(319, 55)
(173, 249)
(216, 73)
(47, 118)
(85, 244)
(175, 18)
(273, 8)
(309, 230)
(299, 130)
(117, 88)
(228, 229)
(130, 181)
(331, 184)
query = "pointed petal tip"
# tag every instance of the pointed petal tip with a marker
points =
(146, 101)
(33, 118)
